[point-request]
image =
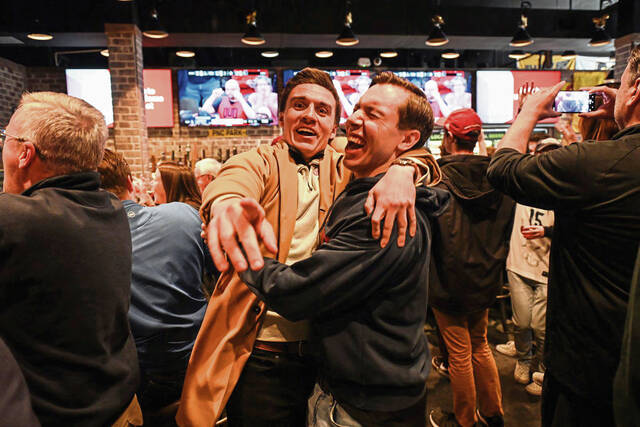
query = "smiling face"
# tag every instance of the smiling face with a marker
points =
(373, 137)
(309, 119)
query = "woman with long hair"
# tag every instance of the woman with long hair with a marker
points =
(175, 183)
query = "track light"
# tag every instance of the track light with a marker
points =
(600, 36)
(155, 30)
(437, 37)
(518, 54)
(522, 37)
(270, 53)
(185, 53)
(347, 36)
(450, 54)
(324, 54)
(39, 32)
(252, 36)
(105, 53)
(388, 54)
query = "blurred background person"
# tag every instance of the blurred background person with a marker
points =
(230, 103)
(458, 97)
(175, 183)
(439, 107)
(170, 265)
(264, 100)
(360, 85)
(205, 171)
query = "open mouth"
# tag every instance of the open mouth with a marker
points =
(305, 132)
(354, 142)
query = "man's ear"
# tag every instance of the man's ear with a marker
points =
(635, 96)
(334, 131)
(27, 155)
(411, 138)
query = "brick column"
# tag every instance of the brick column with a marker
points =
(623, 48)
(125, 63)
(12, 77)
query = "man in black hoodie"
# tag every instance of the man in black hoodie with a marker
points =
(468, 261)
(367, 304)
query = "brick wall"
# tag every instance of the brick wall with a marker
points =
(12, 83)
(46, 79)
(623, 48)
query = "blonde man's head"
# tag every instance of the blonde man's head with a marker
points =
(69, 134)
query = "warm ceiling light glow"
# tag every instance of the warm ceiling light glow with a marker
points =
(569, 54)
(517, 54)
(389, 54)
(105, 52)
(40, 36)
(185, 53)
(324, 54)
(270, 53)
(156, 34)
(450, 54)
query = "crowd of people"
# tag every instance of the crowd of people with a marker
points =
(290, 286)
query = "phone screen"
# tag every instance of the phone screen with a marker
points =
(574, 101)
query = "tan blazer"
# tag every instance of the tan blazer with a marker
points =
(267, 174)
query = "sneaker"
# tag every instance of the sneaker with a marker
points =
(440, 418)
(508, 349)
(538, 378)
(495, 421)
(534, 389)
(438, 364)
(522, 373)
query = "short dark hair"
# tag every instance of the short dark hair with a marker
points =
(466, 144)
(311, 76)
(416, 113)
(114, 173)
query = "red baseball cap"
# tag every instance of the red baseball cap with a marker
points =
(461, 122)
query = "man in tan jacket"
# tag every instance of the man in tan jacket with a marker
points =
(245, 354)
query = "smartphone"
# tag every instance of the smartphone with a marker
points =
(576, 101)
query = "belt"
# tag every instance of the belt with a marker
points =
(290, 347)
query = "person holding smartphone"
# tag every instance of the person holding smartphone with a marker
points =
(593, 188)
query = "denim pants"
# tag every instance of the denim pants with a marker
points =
(325, 411)
(472, 369)
(529, 305)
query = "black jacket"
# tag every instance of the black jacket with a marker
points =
(470, 239)
(367, 304)
(594, 190)
(65, 278)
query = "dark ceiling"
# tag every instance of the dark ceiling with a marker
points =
(479, 29)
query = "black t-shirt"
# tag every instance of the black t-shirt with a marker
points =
(594, 190)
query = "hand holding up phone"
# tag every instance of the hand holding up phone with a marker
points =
(604, 111)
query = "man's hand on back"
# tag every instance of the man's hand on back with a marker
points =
(239, 225)
(393, 198)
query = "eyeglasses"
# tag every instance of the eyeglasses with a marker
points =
(4, 135)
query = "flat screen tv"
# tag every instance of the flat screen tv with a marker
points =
(241, 97)
(94, 86)
(447, 90)
(497, 95)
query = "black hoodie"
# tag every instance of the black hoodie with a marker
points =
(367, 304)
(470, 238)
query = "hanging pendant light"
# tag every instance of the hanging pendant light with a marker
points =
(600, 36)
(522, 38)
(437, 37)
(252, 37)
